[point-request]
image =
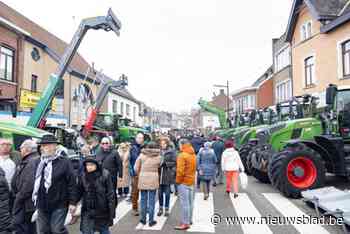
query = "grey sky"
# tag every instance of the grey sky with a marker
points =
(173, 51)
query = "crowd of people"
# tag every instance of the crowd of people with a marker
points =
(40, 185)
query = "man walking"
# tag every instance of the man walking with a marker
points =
(185, 177)
(110, 160)
(218, 147)
(22, 187)
(135, 152)
(55, 188)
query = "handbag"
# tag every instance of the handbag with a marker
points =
(243, 178)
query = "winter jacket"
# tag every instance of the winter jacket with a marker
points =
(168, 167)
(111, 161)
(231, 160)
(135, 152)
(16, 157)
(186, 166)
(63, 190)
(197, 143)
(218, 147)
(5, 219)
(146, 167)
(124, 181)
(206, 164)
(98, 203)
(23, 184)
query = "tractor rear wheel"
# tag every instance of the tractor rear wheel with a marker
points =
(243, 153)
(293, 171)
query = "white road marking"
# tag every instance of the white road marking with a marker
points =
(288, 209)
(162, 219)
(247, 214)
(122, 209)
(202, 212)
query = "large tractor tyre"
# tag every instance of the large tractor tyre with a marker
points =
(260, 175)
(292, 172)
(244, 153)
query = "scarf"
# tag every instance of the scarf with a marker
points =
(45, 166)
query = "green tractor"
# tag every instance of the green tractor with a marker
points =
(291, 123)
(257, 120)
(109, 124)
(18, 134)
(303, 163)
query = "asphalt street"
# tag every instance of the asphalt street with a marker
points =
(258, 200)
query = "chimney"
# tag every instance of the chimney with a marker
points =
(222, 92)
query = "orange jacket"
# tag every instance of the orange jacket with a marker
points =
(186, 166)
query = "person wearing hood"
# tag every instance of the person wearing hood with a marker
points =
(146, 167)
(109, 159)
(167, 174)
(22, 188)
(97, 192)
(231, 165)
(206, 167)
(5, 218)
(185, 177)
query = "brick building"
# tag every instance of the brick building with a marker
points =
(29, 54)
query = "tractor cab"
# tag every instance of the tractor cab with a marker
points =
(341, 108)
(67, 136)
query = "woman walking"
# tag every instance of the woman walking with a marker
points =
(146, 167)
(231, 165)
(167, 174)
(96, 189)
(123, 183)
(206, 167)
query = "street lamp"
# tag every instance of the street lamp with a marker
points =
(227, 99)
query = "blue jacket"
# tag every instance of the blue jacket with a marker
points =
(206, 163)
(135, 152)
(218, 147)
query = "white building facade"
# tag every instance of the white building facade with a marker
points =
(126, 107)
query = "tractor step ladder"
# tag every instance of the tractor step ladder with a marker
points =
(332, 201)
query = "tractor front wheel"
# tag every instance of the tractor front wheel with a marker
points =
(258, 159)
(293, 171)
(243, 153)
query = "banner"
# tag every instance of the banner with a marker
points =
(29, 99)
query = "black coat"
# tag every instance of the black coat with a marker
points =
(5, 219)
(168, 167)
(112, 162)
(23, 183)
(218, 147)
(63, 190)
(105, 200)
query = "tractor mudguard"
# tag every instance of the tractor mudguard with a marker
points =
(316, 147)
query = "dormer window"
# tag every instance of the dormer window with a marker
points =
(306, 31)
